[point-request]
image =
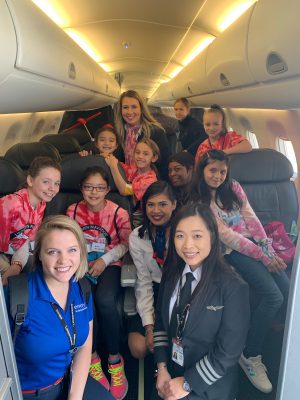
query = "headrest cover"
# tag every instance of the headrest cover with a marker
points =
(24, 153)
(73, 169)
(11, 176)
(260, 165)
(65, 143)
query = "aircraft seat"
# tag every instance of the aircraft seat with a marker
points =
(23, 153)
(265, 175)
(72, 170)
(65, 143)
(80, 134)
(11, 176)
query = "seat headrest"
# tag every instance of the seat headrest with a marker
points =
(65, 143)
(260, 165)
(73, 169)
(80, 134)
(11, 176)
(24, 153)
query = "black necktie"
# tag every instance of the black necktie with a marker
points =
(185, 292)
(184, 299)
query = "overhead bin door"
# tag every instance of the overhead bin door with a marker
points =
(273, 40)
(227, 62)
(8, 43)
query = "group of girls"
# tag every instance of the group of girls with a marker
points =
(193, 310)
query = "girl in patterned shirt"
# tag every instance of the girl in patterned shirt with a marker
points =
(22, 212)
(214, 122)
(248, 250)
(106, 228)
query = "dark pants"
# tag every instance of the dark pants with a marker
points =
(106, 295)
(272, 290)
(93, 390)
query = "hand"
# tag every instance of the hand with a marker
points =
(149, 338)
(111, 160)
(97, 267)
(84, 153)
(175, 388)
(163, 377)
(11, 271)
(276, 265)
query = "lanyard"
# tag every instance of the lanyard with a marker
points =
(72, 339)
(182, 318)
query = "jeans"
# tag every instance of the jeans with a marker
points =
(106, 294)
(272, 290)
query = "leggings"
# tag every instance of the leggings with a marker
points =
(106, 294)
(272, 290)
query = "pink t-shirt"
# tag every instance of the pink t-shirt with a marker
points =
(19, 221)
(99, 227)
(227, 141)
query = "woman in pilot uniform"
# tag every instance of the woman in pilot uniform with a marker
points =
(202, 316)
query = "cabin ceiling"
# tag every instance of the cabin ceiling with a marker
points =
(142, 43)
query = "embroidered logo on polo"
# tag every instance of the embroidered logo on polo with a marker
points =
(80, 307)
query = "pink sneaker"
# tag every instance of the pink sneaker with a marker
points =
(97, 373)
(118, 383)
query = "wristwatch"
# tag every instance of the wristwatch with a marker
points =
(186, 386)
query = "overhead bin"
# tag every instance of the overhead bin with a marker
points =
(42, 69)
(273, 40)
(227, 61)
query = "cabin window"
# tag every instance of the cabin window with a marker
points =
(252, 139)
(285, 147)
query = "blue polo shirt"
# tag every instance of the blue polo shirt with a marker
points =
(42, 346)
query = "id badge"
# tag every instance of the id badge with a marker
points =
(98, 247)
(177, 352)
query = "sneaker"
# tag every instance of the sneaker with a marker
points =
(256, 372)
(97, 373)
(118, 383)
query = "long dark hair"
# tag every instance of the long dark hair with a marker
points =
(200, 191)
(156, 188)
(213, 267)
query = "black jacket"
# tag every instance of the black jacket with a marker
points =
(213, 338)
(191, 131)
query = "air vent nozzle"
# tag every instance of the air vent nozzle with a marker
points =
(224, 80)
(276, 64)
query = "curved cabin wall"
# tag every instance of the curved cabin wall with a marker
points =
(253, 64)
(42, 68)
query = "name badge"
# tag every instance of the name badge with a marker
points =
(99, 247)
(177, 352)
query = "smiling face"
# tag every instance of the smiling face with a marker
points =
(179, 175)
(60, 256)
(44, 186)
(106, 142)
(181, 110)
(143, 156)
(215, 173)
(192, 241)
(159, 209)
(213, 125)
(94, 189)
(131, 111)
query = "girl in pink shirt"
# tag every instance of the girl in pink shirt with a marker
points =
(214, 122)
(106, 228)
(22, 212)
(248, 250)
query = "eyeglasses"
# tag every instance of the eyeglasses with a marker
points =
(90, 188)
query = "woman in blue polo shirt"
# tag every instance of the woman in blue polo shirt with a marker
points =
(53, 346)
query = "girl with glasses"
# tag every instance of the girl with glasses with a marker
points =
(106, 228)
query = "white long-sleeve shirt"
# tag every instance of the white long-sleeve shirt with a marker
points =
(148, 271)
